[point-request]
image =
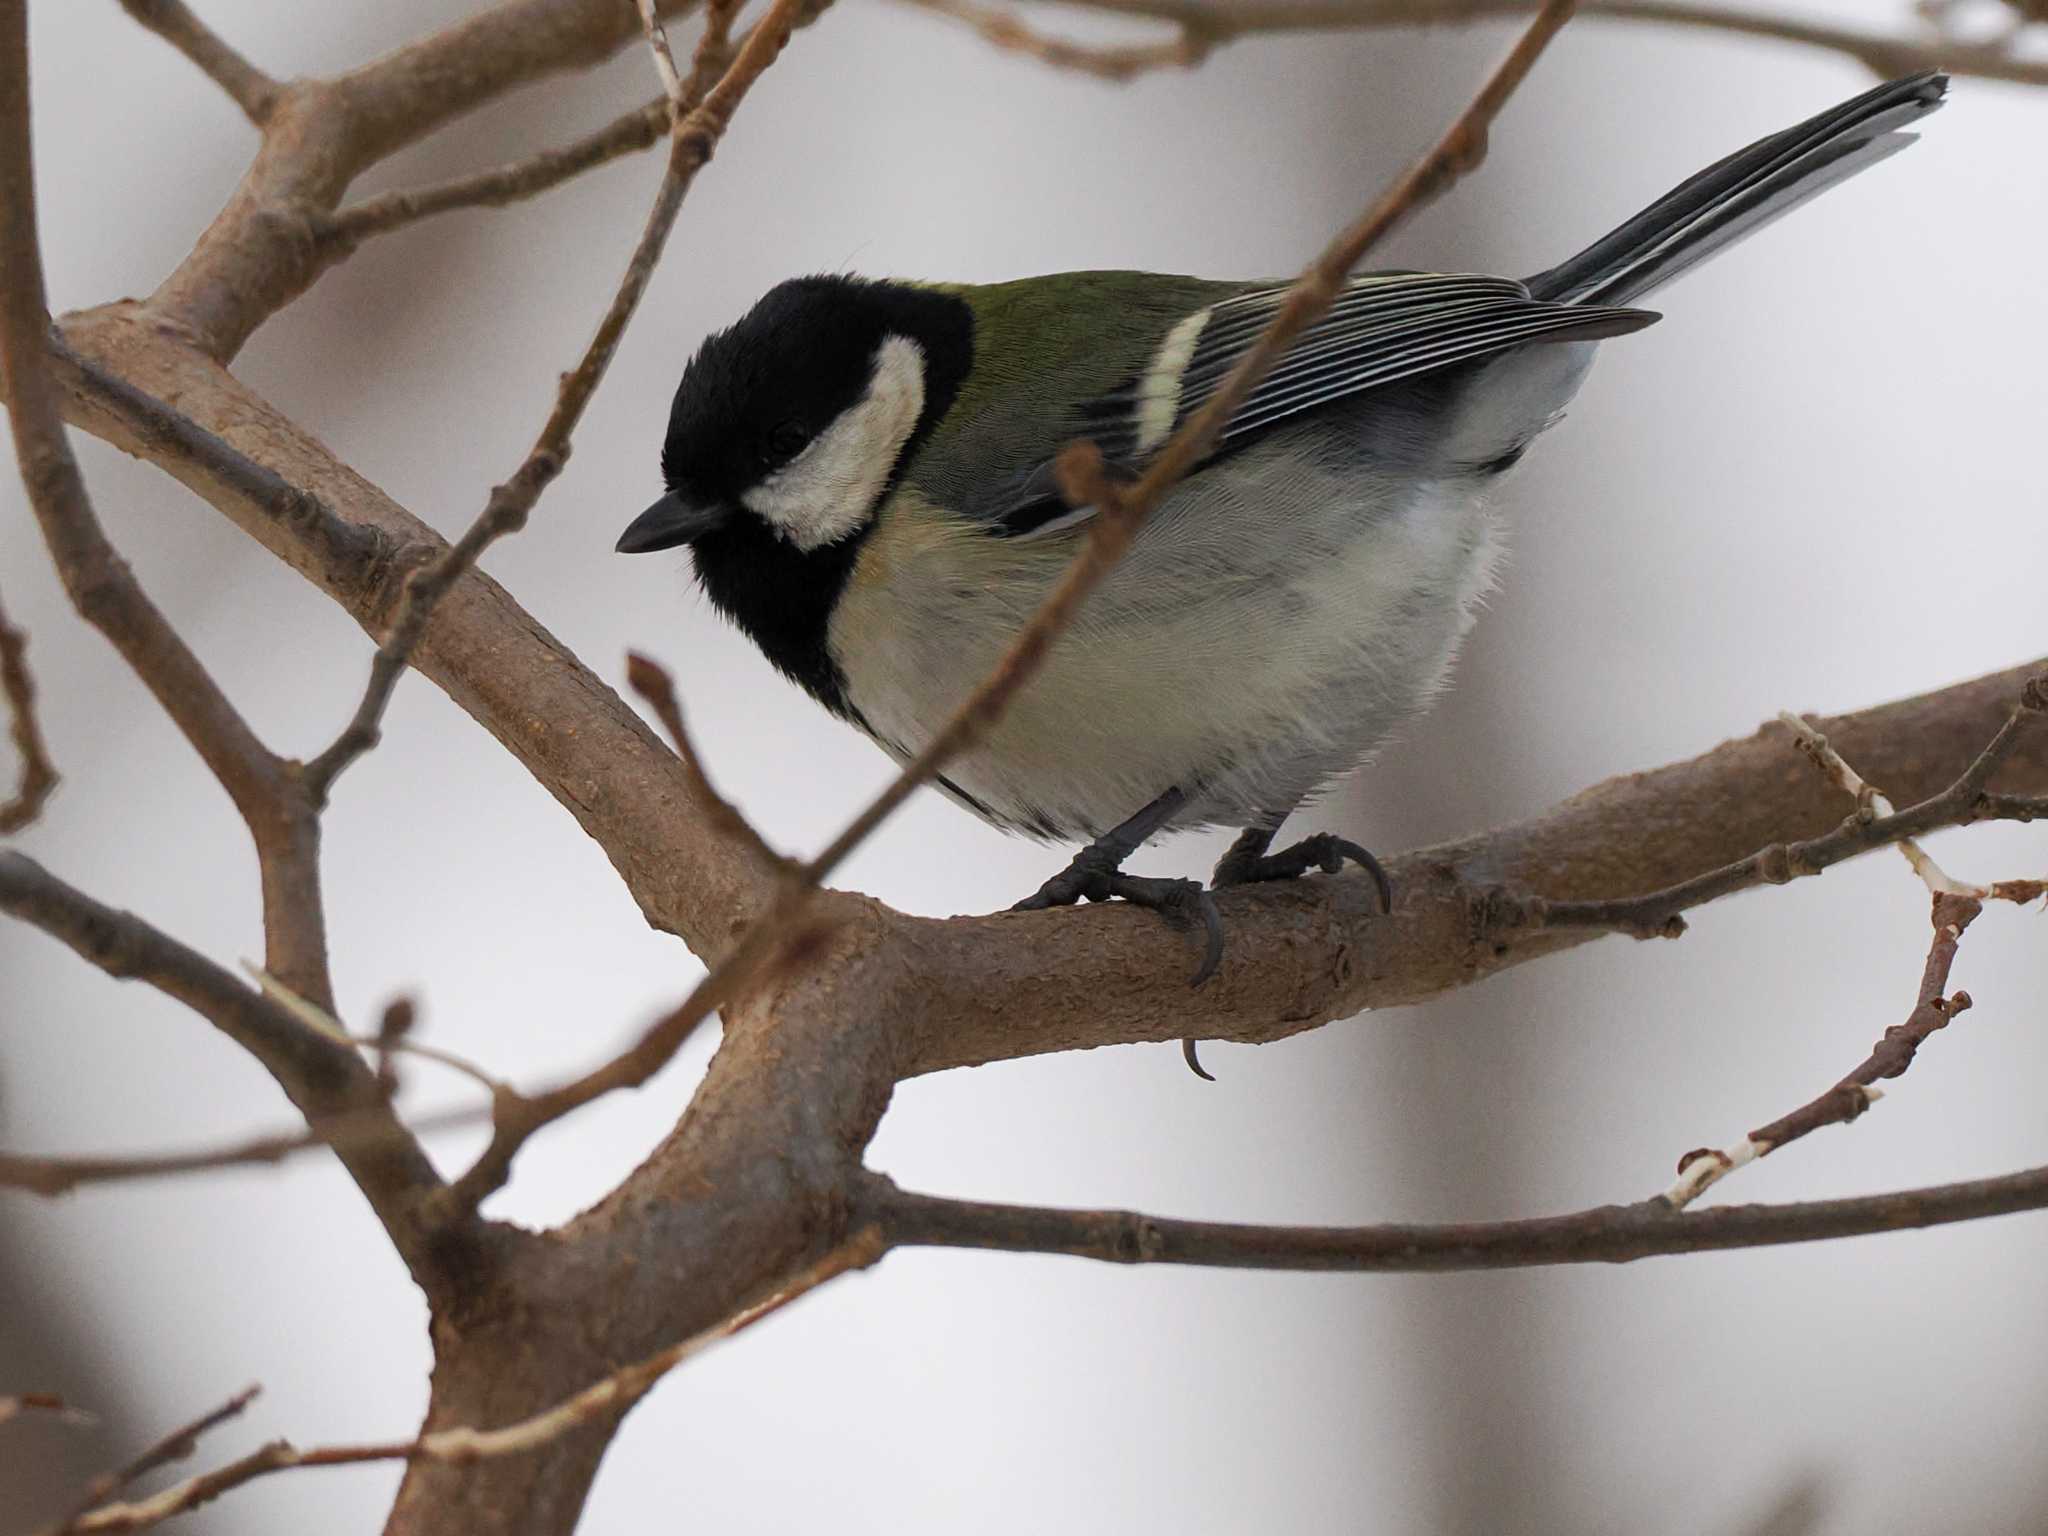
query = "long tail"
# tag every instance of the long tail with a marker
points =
(1739, 195)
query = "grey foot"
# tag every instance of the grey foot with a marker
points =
(1180, 902)
(1247, 862)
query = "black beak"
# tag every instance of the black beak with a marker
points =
(669, 522)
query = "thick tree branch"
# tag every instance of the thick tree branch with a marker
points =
(38, 773)
(1302, 957)
(246, 85)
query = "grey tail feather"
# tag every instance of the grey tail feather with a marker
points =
(1737, 196)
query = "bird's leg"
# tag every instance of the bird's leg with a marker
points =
(1248, 862)
(1096, 874)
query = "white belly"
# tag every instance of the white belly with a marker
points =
(1272, 624)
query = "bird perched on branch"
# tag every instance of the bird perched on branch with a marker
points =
(863, 471)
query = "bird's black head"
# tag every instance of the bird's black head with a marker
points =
(800, 414)
(787, 432)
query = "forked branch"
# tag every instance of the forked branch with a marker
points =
(1655, 914)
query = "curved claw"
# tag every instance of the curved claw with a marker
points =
(1187, 1054)
(1341, 849)
(1212, 949)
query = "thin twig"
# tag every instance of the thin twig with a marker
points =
(1223, 21)
(1700, 1170)
(517, 1116)
(1608, 1234)
(1655, 914)
(353, 1131)
(648, 678)
(1459, 152)
(176, 1446)
(1871, 803)
(45, 1402)
(695, 136)
(246, 85)
(386, 1041)
(664, 61)
(38, 773)
(604, 1399)
(1187, 48)
(503, 185)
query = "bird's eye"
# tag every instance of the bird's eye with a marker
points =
(787, 441)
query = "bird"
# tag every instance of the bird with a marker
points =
(863, 472)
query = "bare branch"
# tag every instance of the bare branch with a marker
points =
(639, 129)
(1655, 914)
(664, 61)
(176, 1446)
(107, 595)
(44, 1402)
(389, 1039)
(516, 1117)
(1870, 802)
(1188, 48)
(651, 681)
(1221, 21)
(351, 1130)
(696, 135)
(605, 1398)
(323, 1078)
(98, 581)
(38, 773)
(1853, 1094)
(246, 85)
(1608, 1234)
(1459, 152)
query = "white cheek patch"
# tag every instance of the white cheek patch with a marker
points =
(1159, 395)
(829, 489)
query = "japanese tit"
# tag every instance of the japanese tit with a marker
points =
(862, 472)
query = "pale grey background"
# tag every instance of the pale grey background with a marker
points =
(1816, 486)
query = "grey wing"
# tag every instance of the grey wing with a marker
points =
(1384, 327)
